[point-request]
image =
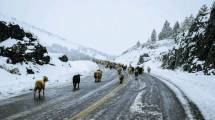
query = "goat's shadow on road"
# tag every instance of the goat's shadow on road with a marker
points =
(77, 89)
(40, 100)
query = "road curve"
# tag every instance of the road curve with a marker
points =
(144, 99)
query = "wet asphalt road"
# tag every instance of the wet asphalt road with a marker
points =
(106, 101)
(159, 102)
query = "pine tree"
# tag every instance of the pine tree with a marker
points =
(210, 35)
(176, 30)
(154, 36)
(138, 44)
(203, 11)
(166, 31)
(149, 40)
(197, 45)
(186, 24)
(213, 6)
(199, 21)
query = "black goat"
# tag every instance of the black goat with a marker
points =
(76, 80)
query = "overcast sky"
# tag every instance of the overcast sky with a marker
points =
(110, 26)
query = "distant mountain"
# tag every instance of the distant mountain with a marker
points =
(58, 44)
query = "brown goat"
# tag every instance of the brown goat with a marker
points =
(40, 85)
(130, 70)
(98, 76)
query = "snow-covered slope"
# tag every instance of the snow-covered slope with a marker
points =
(59, 74)
(22, 63)
(199, 88)
(154, 52)
(55, 42)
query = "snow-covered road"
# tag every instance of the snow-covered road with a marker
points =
(145, 98)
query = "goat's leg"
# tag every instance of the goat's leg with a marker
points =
(39, 93)
(43, 91)
(78, 85)
(34, 93)
(74, 86)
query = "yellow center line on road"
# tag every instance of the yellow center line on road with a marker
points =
(98, 103)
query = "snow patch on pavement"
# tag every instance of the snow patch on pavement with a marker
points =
(137, 104)
(138, 107)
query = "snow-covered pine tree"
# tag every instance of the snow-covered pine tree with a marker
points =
(210, 40)
(200, 24)
(176, 30)
(138, 44)
(153, 36)
(166, 31)
(187, 23)
(213, 6)
(149, 40)
(196, 50)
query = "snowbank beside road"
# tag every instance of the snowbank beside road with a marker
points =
(198, 88)
(59, 74)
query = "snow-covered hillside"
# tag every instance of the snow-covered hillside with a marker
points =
(56, 43)
(59, 74)
(23, 60)
(199, 88)
(151, 51)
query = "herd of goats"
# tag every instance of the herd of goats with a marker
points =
(121, 69)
